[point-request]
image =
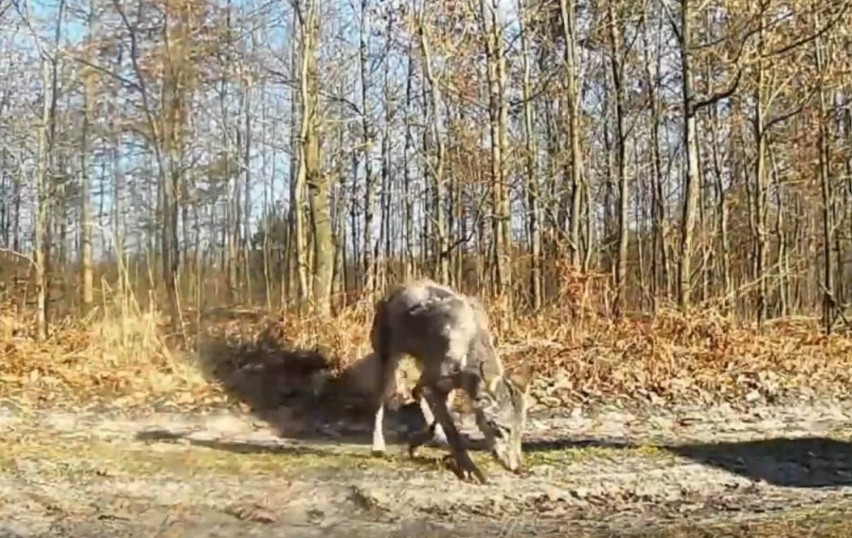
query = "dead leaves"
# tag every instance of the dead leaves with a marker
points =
(703, 358)
(121, 361)
(251, 511)
(370, 498)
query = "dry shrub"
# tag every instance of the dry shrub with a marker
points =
(118, 353)
(703, 358)
(263, 362)
(101, 357)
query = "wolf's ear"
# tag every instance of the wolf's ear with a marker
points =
(489, 378)
(521, 377)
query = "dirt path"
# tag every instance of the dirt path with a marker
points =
(614, 473)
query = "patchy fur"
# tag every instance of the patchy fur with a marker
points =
(448, 335)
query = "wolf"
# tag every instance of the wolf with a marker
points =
(448, 335)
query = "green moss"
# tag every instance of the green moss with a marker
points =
(580, 454)
(99, 456)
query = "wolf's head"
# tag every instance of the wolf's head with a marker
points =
(501, 413)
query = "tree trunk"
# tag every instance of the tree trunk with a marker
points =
(42, 219)
(441, 243)
(408, 203)
(620, 173)
(309, 161)
(828, 298)
(87, 295)
(566, 8)
(496, 70)
(533, 220)
(760, 246)
(369, 256)
(298, 187)
(691, 177)
(387, 218)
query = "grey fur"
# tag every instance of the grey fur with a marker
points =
(448, 335)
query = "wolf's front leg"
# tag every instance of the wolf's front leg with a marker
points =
(465, 464)
(433, 431)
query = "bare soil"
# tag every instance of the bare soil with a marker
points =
(761, 471)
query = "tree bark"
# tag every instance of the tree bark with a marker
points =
(620, 172)
(533, 219)
(309, 161)
(442, 264)
(568, 16)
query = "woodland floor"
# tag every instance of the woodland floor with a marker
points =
(630, 435)
(782, 470)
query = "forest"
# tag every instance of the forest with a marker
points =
(202, 200)
(306, 154)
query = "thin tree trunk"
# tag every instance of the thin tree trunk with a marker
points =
(760, 247)
(87, 277)
(369, 256)
(568, 17)
(43, 204)
(533, 220)
(828, 298)
(497, 111)
(620, 172)
(781, 239)
(691, 177)
(247, 181)
(305, 52)
(441, 243)
(44, 190)
(407, 230)
(387, 217)
(309, 162)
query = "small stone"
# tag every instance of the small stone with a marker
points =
(563, 382)
(250, 511)
(752, 396)
(580, 493)
(370, 498)
(551, 401)
(554, 494)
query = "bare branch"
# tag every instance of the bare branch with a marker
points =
(807, 39)
(781, 118)
(110, 73)
(719, 96)
(672, 20)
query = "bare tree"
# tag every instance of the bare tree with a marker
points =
(309, 157)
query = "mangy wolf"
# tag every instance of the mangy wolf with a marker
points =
(448, 335)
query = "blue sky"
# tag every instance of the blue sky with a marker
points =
(73, 32)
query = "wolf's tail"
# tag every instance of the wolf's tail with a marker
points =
(380, 340)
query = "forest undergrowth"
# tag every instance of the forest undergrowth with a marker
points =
(120, 356)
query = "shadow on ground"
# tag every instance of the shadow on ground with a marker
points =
(294, 391)
(566, 443)
(236, 447)
(804, 462)
(807, 462)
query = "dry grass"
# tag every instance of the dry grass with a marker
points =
(103, 357)
(828, 523)
(73, 456)
(703, 358)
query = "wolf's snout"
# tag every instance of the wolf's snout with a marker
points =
(508, 459)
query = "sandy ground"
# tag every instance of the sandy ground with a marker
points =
(605, 473)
